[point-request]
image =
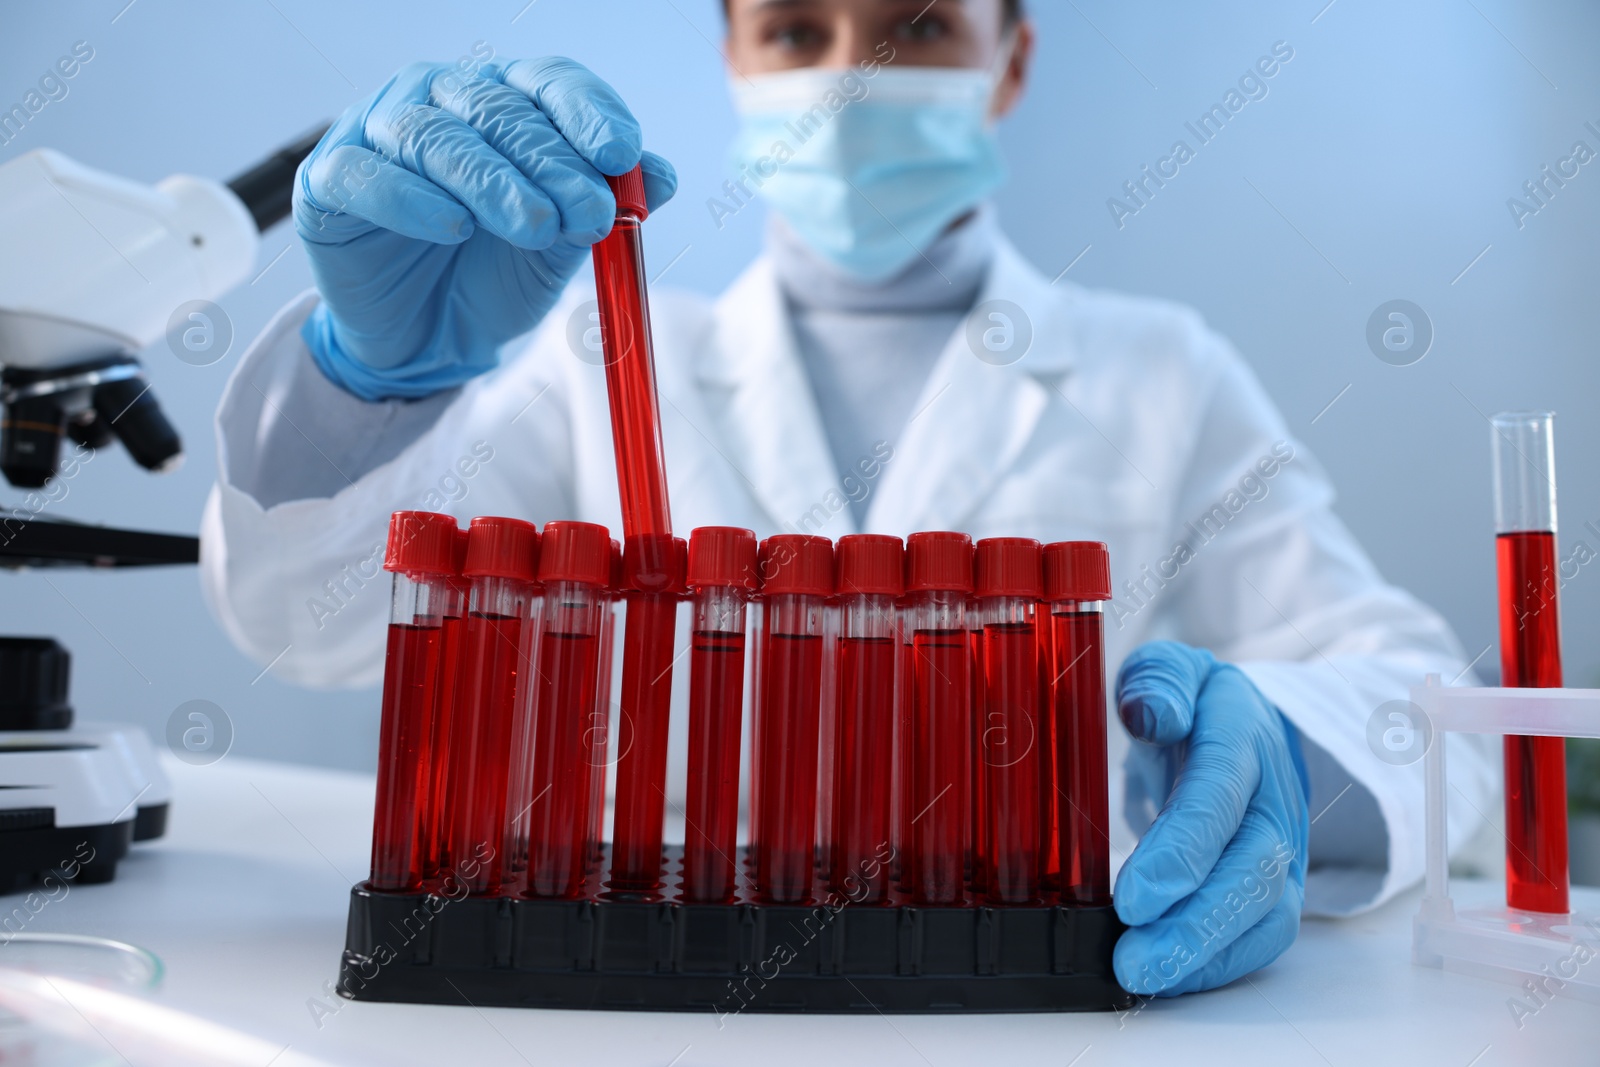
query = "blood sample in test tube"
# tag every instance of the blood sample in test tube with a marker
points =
(903, 736)
(1530, 656)
(796, 580)
(871, 577)
(1007, 580)
(1049, 777)
(453, 612)
(575, 570)
(490, 702)
(624, 308)
(1077, 581)
(721, 579)
(601, 724)
(421, 554)
(975, 829)
(938, 584)
(653, 582)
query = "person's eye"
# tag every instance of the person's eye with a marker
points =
(796, 36)
(920, 29)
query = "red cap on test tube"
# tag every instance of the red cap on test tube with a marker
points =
(797, 563)
(1007, 566)
(629, 190)
(501, 548)
(871, 563)
(939, 560)
(421, 542)
(722, 556)
(1077, 570)
(576, 552)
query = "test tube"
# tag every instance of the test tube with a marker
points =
(575, 569)
(653, 582)
(721, 578)
(1008, 583)
(1049, 776)
(421, 554)
(871, 578)
(452, 610)
(796, 580)
(624, 308)
(903, 737)
(1530, 656)
(599, 730)
(975, 829)
(491, 697)
(938, 583)
(1077, 580)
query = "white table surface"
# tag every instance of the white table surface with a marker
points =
(245, 900)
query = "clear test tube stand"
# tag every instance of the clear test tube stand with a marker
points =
(1504, 944)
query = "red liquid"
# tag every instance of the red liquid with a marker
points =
(941, 760)
(1049, 810)
(642, 744)
(410, 691)
(862, 786)
(598, 735)
(434, 826)
(716, 707)
(1078, 700)
(786, 839)
(1010, 758)
(631, 380)
(492, 665)
(1535, 767)
(976, 829)
(903, 778)
(558, 836)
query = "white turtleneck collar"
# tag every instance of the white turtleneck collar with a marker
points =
(868, 349)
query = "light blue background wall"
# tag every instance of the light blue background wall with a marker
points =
(1378, 167)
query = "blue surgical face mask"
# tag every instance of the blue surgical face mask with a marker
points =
(869, 170)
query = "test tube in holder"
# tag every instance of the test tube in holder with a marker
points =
(938, 585)
(1077, 580)
(858, 691)
(600, 724)
(974, 827)
(653, 570)
(871, 572)
(624, 309)
(575, 571)
(796, 581)
(490, 702)
(1008, 583)
(452, 625)
(1049, 773)
(721, 579)
(1530, 655)
(421, 554)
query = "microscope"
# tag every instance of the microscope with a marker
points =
(94, 267)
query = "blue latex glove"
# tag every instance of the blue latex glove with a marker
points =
(1215, 888)
(444, 214)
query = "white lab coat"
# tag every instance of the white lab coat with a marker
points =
(1126, 421)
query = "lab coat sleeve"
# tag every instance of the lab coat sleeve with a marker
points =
(1273, 581)
(293, 533)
